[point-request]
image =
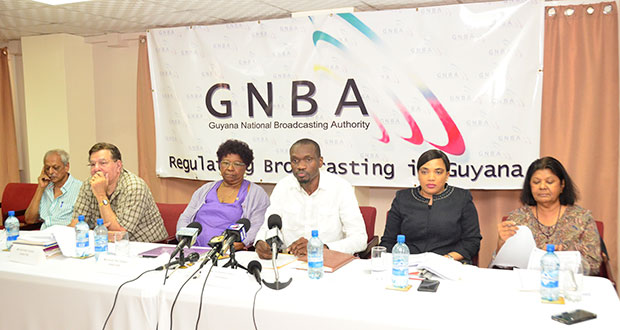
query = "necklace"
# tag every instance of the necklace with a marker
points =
(228, 196)
(555, 226)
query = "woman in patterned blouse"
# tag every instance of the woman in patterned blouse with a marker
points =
(549, 211)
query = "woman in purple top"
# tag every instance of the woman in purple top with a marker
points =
(217, 205)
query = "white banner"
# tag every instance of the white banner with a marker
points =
(374, 89)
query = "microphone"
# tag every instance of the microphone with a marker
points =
(220, 244)
(216, 241)
(235, 233)
(187, 237)
(254, 268)
(273, 236)
(192, 257)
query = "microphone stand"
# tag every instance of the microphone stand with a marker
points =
(181, 258)
(232, 263)
(277, 285)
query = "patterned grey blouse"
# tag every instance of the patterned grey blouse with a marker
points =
(574, 231)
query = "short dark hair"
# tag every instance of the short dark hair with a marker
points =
(306, 141)
(235, 147)
(429, 155)
(116, 154)
(568, 196)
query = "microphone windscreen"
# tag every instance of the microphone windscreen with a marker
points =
(195, 225)
(253, 266)
(193, 257)
(193, 230)
(245, 222)
(274, 221)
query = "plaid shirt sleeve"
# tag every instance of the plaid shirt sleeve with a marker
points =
(86, 205)
(136, 211)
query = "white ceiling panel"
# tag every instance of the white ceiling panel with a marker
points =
(121, 9)
(19, 4)
(181, 18)
(297, 6)
(98, 17)
(16, 22)
(233, 11)
(61, 28)
(51, 15)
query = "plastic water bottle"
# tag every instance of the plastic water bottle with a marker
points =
(101, 239)
(549, 275)
(315, 256)
(400, 263)
(81, 237)
(12, 229)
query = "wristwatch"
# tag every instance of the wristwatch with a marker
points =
(104, 202)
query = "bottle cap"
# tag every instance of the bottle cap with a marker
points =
(80, 217)
(550, 247)
(400, 238)
(315, 233)
(99, 222)
(11, 213)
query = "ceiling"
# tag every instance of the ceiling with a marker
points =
(20, 18)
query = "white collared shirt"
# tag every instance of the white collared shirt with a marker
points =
(58, 210)
(332, 209)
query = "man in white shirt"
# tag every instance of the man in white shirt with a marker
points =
(56, 192)
(311, 199)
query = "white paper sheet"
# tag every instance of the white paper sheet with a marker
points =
(65, 236)
(517, 249)
(566, 258)
(438, 265)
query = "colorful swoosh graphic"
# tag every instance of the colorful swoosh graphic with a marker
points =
(455, 145)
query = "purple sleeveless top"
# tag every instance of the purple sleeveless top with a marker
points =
(215, 216)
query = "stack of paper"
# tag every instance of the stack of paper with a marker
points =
(520, 251)
(38, 238)
(438, 265)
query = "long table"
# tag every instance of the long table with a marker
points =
(65, 293)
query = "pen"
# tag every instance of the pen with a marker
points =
(61, 203)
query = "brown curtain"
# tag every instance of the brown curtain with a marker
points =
(9, 166)
(165, 190)
(580, 106)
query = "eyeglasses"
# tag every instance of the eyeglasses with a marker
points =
(101, 163)
(237, 165)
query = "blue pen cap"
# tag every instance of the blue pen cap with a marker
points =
(99, 222)
(80, 217)
(550, 248)
(315, 233)
(11, 213)
(400, 238)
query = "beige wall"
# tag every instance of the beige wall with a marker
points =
(115, 77)
(58, 98)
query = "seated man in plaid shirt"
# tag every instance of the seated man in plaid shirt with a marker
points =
(119, 197)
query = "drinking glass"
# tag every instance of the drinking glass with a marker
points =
(121, 243)
(378, 260)
(571, 278)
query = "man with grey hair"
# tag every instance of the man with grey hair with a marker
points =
(56, 192)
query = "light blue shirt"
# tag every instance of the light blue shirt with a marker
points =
(58, 211)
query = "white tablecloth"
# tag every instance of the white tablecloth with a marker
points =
(77, 294)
